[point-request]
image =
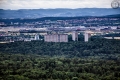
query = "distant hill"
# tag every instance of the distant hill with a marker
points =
(117, 15)
(38, 13)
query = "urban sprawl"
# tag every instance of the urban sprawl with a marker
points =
(57, 30)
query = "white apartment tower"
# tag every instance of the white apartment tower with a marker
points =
(75, 36)
(87, 36)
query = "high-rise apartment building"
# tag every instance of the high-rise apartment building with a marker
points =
(75, 36)
(56, 38)
(87, 36)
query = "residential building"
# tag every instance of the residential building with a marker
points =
(36, 37)
(87, 36)
(75, 36)
(56, 38)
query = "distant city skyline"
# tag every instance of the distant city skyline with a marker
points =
(46, 4)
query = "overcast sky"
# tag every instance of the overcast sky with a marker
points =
(37, 4)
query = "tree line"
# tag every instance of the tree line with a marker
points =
(95, 47)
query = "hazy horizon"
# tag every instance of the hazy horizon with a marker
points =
(57, 8)
(53, 4)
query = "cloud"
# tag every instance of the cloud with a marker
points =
(36, 4)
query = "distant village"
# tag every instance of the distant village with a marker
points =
(57, 29)
(55, 34)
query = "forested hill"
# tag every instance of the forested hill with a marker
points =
(83, 18)
(38, 13)
(117, 15)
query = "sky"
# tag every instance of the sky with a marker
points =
(45, 4)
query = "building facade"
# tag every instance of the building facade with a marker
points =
(75, 36)
(87, 36)
(36, 37)
(56, 38)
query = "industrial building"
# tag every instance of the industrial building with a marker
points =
(75, 36)
(56, 38)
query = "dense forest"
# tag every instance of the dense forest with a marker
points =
(96, 46)
(98, 59)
